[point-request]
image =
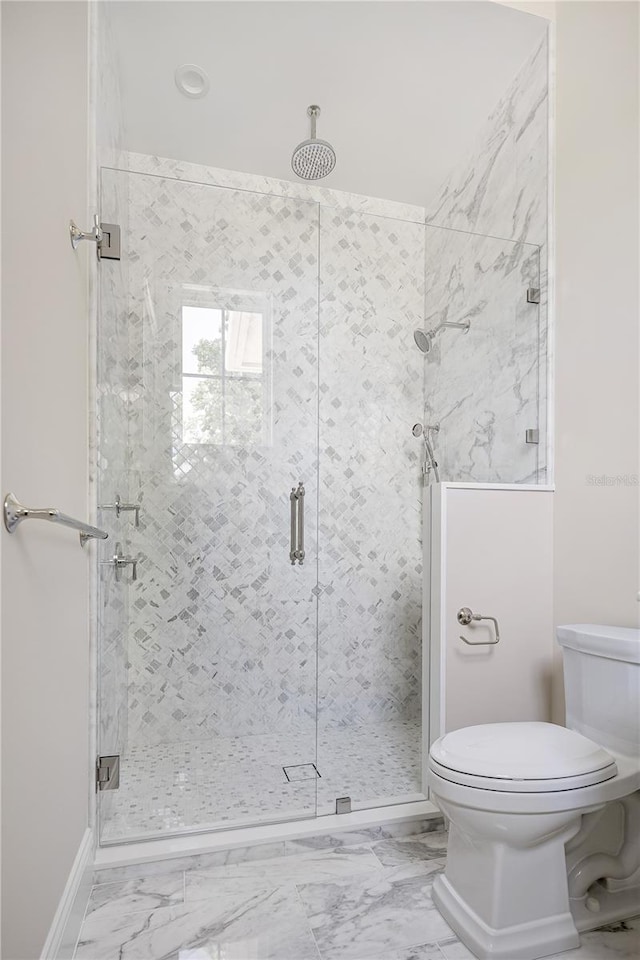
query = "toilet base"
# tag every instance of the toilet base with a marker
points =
(524, 941)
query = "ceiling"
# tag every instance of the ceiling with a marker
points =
(404, 87)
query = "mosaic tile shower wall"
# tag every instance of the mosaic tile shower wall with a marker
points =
(371, 392)
(222, 632)
(222, 626)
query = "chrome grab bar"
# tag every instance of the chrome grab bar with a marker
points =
(15, 513)
(465, 616)
(296, 549)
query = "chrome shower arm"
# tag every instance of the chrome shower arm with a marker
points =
(460, 325)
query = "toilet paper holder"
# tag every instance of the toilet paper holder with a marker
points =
(466, 616)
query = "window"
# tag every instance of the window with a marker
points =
(223, 388)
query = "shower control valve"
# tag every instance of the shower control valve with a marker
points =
(119, 562)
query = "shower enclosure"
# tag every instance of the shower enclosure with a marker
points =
(249, 378)
(263, 649)
(257, 382)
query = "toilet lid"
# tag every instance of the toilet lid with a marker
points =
(523, 752)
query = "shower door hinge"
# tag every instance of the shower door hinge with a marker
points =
(343, 804)
(107, 773)
(533, 295)
(109, 244)
(532, 436)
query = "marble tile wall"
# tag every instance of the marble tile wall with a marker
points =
(481, 386)
(222, 627)
(371, 392)
(487, 389)
(499, 188)
(222, 631)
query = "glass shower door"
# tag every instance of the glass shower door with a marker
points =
(222, 393)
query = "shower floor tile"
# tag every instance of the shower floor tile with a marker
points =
(178, 786)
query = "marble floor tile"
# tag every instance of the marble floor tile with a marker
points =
(428, 846)
(202, 861)
(130, 896)
(249, 922)
(375, 916)
(304, 868)
(620, 941)
(424, 951)
(406, 828)
(315, 903)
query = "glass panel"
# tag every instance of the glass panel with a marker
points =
(202, 410)
(112, 483)
(482, 387)
(370, 558)
(201, 340)
(223, 384)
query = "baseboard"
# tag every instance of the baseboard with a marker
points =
(63, 933)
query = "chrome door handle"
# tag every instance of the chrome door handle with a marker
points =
(296, 548)
(119, 561)
(465, 616)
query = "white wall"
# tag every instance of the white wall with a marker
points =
(492, 552)
(45, 588)
(596, 526)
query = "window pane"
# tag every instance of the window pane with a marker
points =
(243, 412)
(201, 340)
(243, 347)
(201, 410)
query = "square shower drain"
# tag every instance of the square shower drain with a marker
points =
(301, 771)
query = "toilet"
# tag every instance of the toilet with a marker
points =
(544, 820)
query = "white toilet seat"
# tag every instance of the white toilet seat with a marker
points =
(520, 758)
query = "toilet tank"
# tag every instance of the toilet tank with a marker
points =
(602, 684)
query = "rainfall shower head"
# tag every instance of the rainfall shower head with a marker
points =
(313, 159)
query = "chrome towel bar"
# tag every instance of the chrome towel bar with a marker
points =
(15, 513)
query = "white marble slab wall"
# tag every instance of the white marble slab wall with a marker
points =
(499, 190)
(481, 386)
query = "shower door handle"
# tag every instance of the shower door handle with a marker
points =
(296, 549)
(294, 526)
(300, 522)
